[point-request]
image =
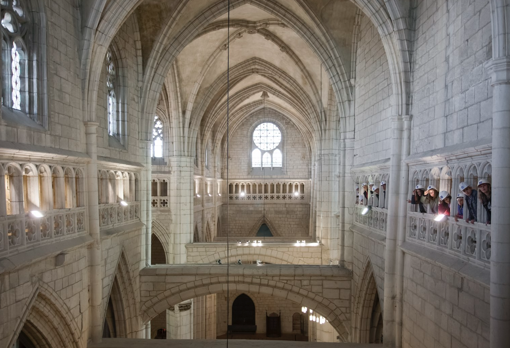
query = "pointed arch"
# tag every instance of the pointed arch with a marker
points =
(47, 319)
(367, 298)
(124, 300)
(264, 221)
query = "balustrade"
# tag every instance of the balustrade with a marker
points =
(111, 215)
(24, 231)
(292, 191)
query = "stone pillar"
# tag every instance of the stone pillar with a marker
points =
(145, 204)
(327, 229)
(500, 236)
(180, 321)
(181, 206)
(395, 233)
(96, 284)
(345, 202)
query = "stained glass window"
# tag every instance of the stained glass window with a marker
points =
(16, 80)
(267, 136)
(157, 138)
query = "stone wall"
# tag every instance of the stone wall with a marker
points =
(443, 308)
(296, 151)
(373, 91)
(288, 220)
(452, 97)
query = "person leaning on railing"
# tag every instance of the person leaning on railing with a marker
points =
(460, 206)
(470, 200)
(444, 203)
(418, 194)
(485, 197)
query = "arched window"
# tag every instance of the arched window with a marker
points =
(256, 158)
(267, 145)
(157, 138)
(24, 62)
(111, 74)
(15, 23)
(266, 160)
(277, 158)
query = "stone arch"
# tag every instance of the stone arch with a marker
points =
(309, 299)
(363, 305)
(47, 320)
(163, 235)
(124, 299)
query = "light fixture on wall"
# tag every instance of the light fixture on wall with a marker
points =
(124, 203)
(218, 262)
(198, 195)
(304, 309)
(259, 263)
(36, 214)
(366, 210)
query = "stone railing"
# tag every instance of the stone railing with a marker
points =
(375, 219)
(288, 191)
(160, 202)
(472, 241)
(111, 215)
(23, 232)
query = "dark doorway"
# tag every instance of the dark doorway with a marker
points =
(24, 341)
(243, 311)
(376, 322)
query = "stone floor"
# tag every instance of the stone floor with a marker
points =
(139, 343)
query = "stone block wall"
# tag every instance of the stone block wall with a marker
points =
(288, 220)
(373, 91)
(443, 308)
(452, 96)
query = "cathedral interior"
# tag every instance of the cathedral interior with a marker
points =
(255, 172)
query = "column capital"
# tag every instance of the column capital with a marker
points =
(499, 70)
(90, 127)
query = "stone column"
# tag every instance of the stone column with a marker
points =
(500, 236)
(145, 204)
(96, 284)
(395, 232)
(181, 206)
(327, 229)
(345, 202)
(180, 321)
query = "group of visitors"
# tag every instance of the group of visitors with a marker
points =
(374, 194)
(439, 202)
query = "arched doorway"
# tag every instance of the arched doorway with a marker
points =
(158, 257)
(376, 322)
(24, 341)
(243, 311)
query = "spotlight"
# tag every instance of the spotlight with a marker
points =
(219, 194)
(296, 193)
(218, 262)
(239, 243)
(37, 214)
(210, 195)
(239, 262)
(440, 217)
(198, 195)
(304, 309)
(124, 203)
(366, 210)
(259, 263)
(242, 193)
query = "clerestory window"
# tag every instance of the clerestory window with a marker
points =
(267, 139)
(23, 64)
(157, 138)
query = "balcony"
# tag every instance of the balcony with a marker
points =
(289, 191)
(23, 232)
(471, 242)
(113, 215)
